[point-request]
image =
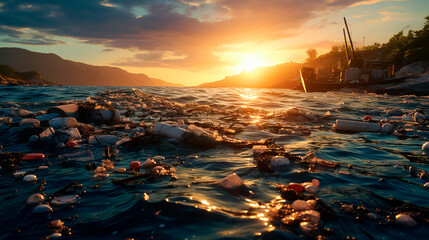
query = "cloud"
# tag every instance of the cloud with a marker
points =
(370, 2)
(27, 37)
(191, 61)
(194, 28)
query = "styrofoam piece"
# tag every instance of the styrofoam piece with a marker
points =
(43, 208)
(357, 126)
(169, 131)
(29, 123)
(65, 199)
(231, 181)
(63, 122)
(65, 110)
(47, 134)
(35, 198)
(405, 220)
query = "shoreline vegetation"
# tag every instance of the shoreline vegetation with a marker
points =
(11, 77)
(409, 52)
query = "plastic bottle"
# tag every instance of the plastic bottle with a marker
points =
(107, 140)
(169, 131)
(103, 115)
(63, 122)
(356, 126)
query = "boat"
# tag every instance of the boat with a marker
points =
(350, 72)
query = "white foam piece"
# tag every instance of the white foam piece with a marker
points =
(158, 158)
(405, 220)
(300, 205)
(62, 200)
(231, 181)
(30, 178)
(35, 198)
(279, 161)
(43, 208)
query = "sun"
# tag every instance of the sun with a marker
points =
(251, 61)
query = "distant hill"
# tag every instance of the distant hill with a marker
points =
(11, 77)
(284, 75)
(66, 72)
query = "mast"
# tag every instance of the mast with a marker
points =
(346, 45)
(348, 33)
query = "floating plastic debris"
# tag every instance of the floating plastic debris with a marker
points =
(33, 156)
(35, 198)
(43, 208)
(100, 176)
(149, 163)
(30, 178)
(356, 126)
(135, 165)
(405, 220)
(63, 200)
(300, 205)
(231, 181)
(279, 161)
(63, 122)
(120, 170)
(425, 148)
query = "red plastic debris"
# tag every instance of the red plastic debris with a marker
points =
(298, 188)
(134, 165)
(71, 144)
(33, 156)
(367, 118)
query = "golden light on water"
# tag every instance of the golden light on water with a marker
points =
(248, 96)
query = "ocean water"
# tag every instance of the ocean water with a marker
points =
(380, 174)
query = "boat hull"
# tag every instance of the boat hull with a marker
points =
(311, 85)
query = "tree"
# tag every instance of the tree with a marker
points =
(312, 53)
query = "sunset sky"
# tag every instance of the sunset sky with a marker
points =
(196, 41)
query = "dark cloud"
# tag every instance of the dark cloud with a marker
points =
(190, 26)
(108, 50)
(27, 37)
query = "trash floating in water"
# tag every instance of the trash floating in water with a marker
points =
(209, 146)
(62, 200)
(405, 220)
(35, 198)
(43, 208)
(33, 156)
(231, 181)
(135, 165)
(30, 178)
(425, 148)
